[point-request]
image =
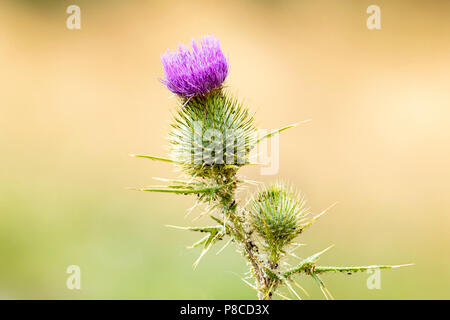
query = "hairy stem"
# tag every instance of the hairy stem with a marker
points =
(241, 233)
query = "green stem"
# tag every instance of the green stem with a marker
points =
(233, 213)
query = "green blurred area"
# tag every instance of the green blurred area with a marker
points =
(74, 104)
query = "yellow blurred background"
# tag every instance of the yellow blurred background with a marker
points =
(75, 103)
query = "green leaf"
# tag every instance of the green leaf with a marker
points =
(217, 220)
(306, 264)
(176, 181)
(310, 222)
(324, 289)
(199, 242)
(152, 158)
(180, 190)
(210, 229)
(212, 239)
(288, 285)
(215, 234)
(323, 269)
(280, 130)
(272, 275)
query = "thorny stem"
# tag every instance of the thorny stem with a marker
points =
(234, 222)
(241, 233)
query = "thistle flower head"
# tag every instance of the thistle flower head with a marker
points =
(195, 72)
(277, 213)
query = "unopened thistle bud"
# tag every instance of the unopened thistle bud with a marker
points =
(277, 213)
(195, 72)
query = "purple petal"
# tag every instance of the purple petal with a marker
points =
(195, 72)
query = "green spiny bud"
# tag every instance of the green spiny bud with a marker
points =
(212, 135)
(277, 213)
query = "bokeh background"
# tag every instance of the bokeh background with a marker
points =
(74, 105)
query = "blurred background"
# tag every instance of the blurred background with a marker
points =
(75, 103)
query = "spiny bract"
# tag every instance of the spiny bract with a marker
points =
(210, 134)
(277, 213)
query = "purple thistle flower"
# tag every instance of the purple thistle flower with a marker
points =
(195, 72)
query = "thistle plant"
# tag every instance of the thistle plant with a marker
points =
(212, 136)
